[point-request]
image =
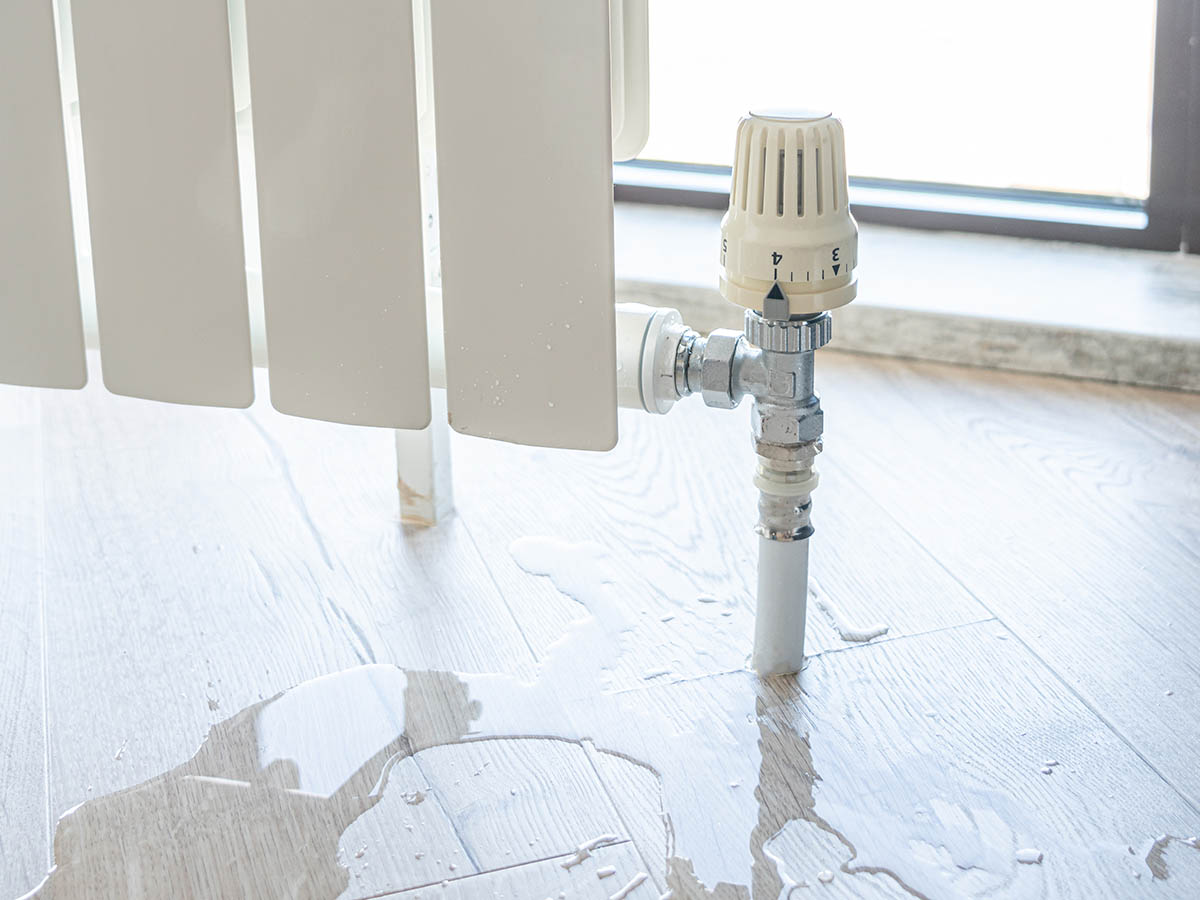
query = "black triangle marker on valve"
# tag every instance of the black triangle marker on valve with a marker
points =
(776, 304)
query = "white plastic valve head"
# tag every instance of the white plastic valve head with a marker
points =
(789, 245)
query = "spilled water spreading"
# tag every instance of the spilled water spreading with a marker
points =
(266, 800)
(847, 632)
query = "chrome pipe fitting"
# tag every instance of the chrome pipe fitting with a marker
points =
(771, 361)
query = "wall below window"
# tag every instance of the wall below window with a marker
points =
(1128, 316)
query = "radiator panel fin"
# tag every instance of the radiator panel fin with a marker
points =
(525, 197)
(156, 104)
(335, 146)
(41, 331)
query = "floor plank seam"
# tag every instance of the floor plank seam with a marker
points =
(285, 470)
(528, 862)
(449, 819)
(1183, 423)
(1071, 689)
(40, 476)
(589, 749)
(1091, 707)
(637, 688)
(1152, 434)
(851, 646)
(499, 590)
(858, 645)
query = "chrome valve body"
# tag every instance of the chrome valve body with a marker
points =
(771, 361)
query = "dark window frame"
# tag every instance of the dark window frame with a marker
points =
(1169, 219)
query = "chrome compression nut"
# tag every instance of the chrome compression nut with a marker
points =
(786, 424)
(716, 371)
(797, 335)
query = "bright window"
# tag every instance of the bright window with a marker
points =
(1038, 94)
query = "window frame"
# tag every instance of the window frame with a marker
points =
(1169, 219)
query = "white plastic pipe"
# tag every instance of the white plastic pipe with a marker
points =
(782, 603)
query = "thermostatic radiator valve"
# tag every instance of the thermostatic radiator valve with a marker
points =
(789, 248)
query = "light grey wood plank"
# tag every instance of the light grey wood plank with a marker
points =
(410, 583)
(226, 555)
(974, 726)
(675, 506)
(156, 107)
(524, 159)
(1170, 419)
(405, 840)
(1065, 520)
(41, 327)
(343, 267)
(546, 878)
(515, 800)
(198, 561)
(915, 767)
(23, 823)
(321, 791)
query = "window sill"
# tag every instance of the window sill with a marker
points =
(1130, 316)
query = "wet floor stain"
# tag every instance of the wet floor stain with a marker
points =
(1156, 856)
(266, 800)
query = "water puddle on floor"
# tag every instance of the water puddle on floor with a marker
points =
(379, 779)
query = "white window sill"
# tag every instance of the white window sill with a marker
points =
(1065, 309)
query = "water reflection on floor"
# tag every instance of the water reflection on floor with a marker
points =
(711, 784)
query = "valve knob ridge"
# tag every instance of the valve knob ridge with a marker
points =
(789, 245)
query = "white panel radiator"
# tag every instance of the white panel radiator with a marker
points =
(429, 204)
(524, 124)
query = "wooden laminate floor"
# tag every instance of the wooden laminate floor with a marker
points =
(216, 637)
